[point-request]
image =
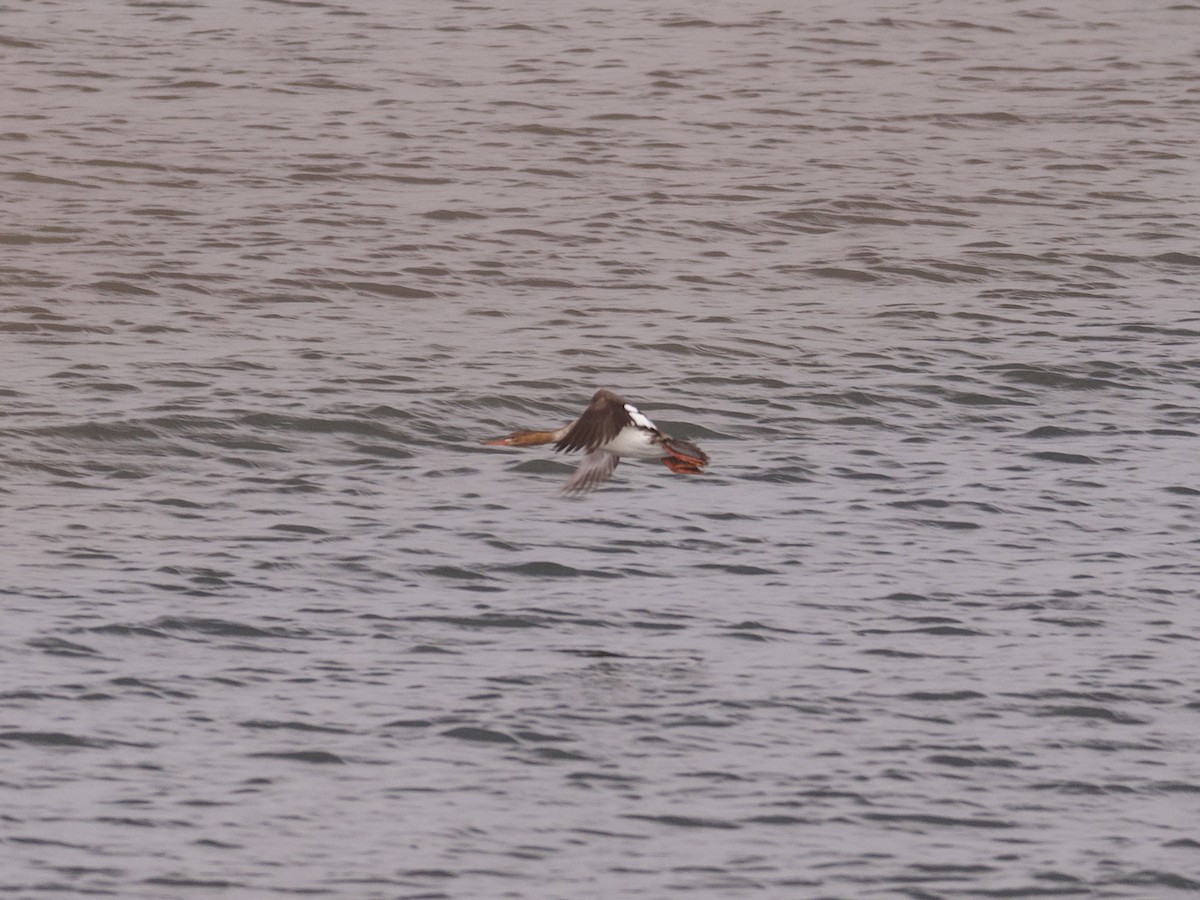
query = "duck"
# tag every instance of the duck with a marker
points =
(610, 428)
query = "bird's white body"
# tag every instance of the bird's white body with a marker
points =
(637, 440)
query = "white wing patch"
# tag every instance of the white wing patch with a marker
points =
(638, 419)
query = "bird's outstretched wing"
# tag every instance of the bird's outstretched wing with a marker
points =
(602, 421)
(595, 467)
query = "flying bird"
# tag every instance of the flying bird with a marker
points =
(611, 427)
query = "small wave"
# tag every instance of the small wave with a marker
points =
(1072, 459)
(315, 757)
(548, 569)
(476, 735)
(53, 739)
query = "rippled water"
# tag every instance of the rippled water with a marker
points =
(921, 279)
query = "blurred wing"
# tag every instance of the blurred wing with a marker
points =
(595, 467)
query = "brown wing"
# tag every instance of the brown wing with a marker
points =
(602, 421)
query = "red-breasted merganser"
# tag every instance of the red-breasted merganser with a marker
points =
(611, 427)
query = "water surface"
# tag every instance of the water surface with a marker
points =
(920, 279)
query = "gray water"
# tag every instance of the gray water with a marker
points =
(921, 279)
